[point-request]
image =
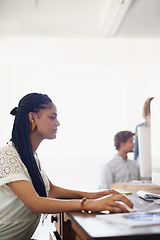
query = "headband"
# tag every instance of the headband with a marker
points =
(14, 111)
(21, 109)
(24, 109)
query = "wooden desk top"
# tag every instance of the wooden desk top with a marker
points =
(133, 185)
(90, 227)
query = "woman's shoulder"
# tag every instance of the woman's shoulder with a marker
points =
(8, 150)
(141, 124)
(10, 162)
(8, 147)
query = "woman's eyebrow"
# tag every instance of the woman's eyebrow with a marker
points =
(54, 114)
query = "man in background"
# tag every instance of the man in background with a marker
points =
(120, 169)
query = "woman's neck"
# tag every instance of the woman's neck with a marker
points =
(35, 141)
(148, 121)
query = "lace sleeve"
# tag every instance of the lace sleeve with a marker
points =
(11, 166)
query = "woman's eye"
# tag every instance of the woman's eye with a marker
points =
(52, 118)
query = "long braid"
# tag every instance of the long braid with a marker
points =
(21, 136)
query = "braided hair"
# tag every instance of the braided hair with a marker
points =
(32, 102)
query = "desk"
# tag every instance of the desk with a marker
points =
(85, 226)
(133, 185)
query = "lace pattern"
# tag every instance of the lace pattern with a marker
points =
(13, 169)
(9, 161)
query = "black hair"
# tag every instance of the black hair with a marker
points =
(32, 102)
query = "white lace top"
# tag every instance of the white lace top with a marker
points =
(17, 222)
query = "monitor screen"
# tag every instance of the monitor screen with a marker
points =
(155, 140)
(144, 143)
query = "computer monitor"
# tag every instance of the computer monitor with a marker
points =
(144, 144)
(155, 140)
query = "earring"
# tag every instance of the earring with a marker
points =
(33, 125)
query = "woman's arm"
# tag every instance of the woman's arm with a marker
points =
(58, 192)
(26, 193)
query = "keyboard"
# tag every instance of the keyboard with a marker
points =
(142, 205)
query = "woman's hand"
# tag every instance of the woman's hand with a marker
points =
(110, 203)
(99, 194)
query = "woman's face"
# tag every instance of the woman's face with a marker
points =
(47, 123)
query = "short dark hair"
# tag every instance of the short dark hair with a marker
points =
(32, 102)
(122, 136)
(146, 107)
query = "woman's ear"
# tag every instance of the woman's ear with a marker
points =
(31, 116)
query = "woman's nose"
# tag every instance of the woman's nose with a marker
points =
(57, 123)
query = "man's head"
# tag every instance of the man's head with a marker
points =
(124, 141)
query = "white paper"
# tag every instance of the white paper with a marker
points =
(132, 219)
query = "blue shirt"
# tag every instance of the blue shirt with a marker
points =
(136, 148)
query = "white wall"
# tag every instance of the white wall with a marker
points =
(99, 87)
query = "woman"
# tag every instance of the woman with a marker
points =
(25, 190)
